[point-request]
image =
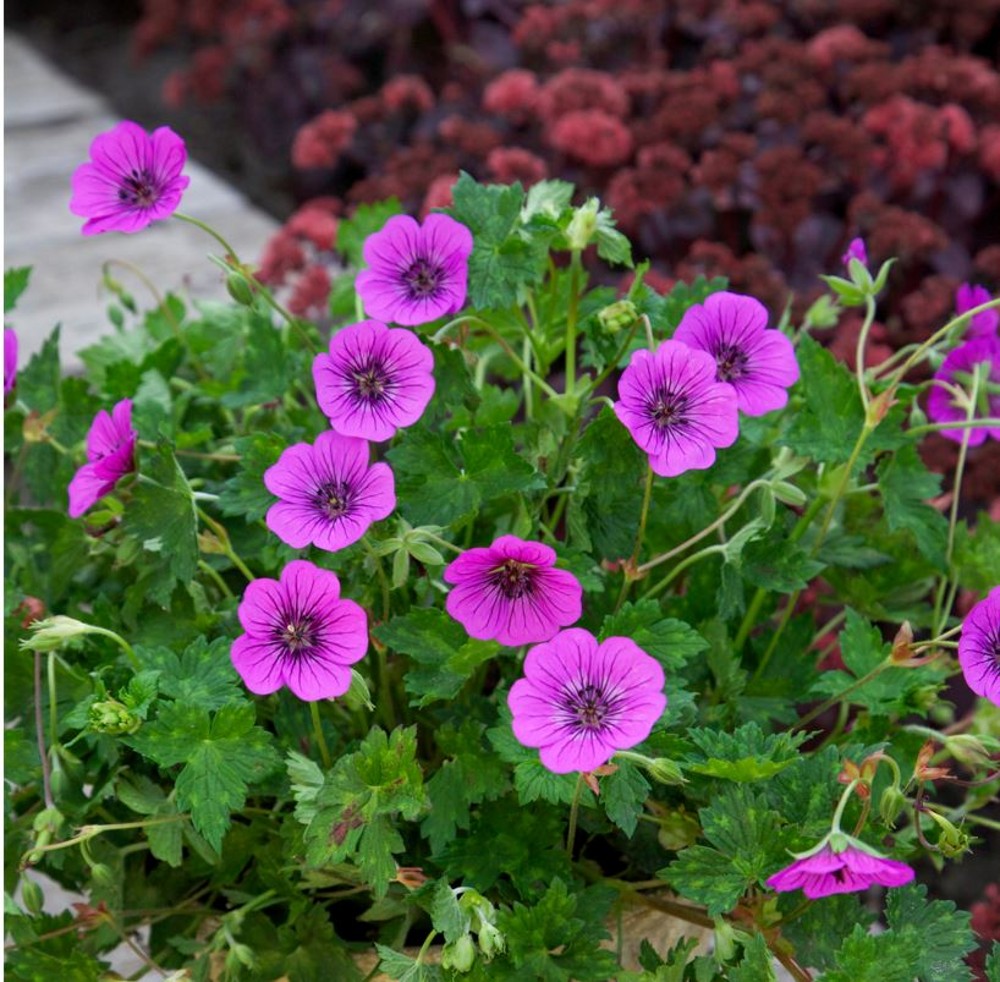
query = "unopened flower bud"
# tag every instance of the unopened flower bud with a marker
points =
(459, 955)
(952, 841)
(239, 954)
(239, 289)
(583, 225)
(31, 896)
(902, 651)
(358, 694)
(112, 717)
(53, 632)
(101, 875)
(491, 940)
(891, 805)
(789, 494)
(618, 316)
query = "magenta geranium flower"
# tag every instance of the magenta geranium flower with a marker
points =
(110, 456)
(855, 250)
(979, 647)
(374, 380)
(580, 702)
(299, 633)
(9, 360)
(840, 864)
(133, 178)
(758, 363)
(511, 592)
(984, 324)
(329, 495)
(675, 409)
(416, 273)
(962, 361)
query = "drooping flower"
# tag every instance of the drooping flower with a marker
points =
(110, 456)
(675, 409)
(956, 369)
(299, 632)
(579, 701)
(9, 360)
(374, 380)
(979, 647)
(840, 864)
(855, 250)
(758, 363)
(133, 178)
(329, 495)
(983, 324)
(416, 273)
(511, 592)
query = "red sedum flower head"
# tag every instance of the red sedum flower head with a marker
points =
(132, 179)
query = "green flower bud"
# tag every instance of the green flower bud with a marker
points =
(239, 289)
(952, 841)
(491, 940)
(239, 954)
(358, 695)
(789, 494)
(31, 896)
(583, 226)
(618, 316)
(112, 717)
(53, 632)
(102, 875)
(460, 955)
(891, 805)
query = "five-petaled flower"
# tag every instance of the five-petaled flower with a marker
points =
(675, 409)
(983, 324)
(133, 178)
(328, 493)
(580, 702)
(416, 273)
(957, 369)
(840, 864)
(110, 456)
(299, 633)
(979, 647)
(758, 363)
(374, 381)
(511, 592)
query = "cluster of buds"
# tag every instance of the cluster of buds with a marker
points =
(460, 955)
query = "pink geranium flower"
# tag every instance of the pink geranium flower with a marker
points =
(374, 380)
(675, 409)
(758, 363)
(299, 633)
(511, 592)
(580, 702)
(941, 406)
(840, 864)
(110, 456)
(979, 647)
(855, 250)
(9, 360)
(984, 324)
(132, 179)
(329, 495)
(416, 273)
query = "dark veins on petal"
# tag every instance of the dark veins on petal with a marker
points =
(138, 188)
(298, 635)
(588, 705)
(423, 279)
(667, 408)
(371, 382)
(512, 578)
(334, 498)
(732, 361)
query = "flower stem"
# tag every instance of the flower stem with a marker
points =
(680, 567)
(227, 548)
(959, 424)
(833, 700)
(527, 385)
(859, 355)
(841, 805)
(324, 750)
(40, 734)
(571, 315)
(214, 575)
(198, 223)
(647, 495)
(574, 812)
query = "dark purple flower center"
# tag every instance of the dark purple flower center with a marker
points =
(372, 383)
(423, 279)
(589, 706)
(513, 579)
(138, 189)
(334, 498)
(732, 362)
(298, 635)
(668, 409)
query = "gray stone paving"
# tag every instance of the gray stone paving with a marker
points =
(49, 122)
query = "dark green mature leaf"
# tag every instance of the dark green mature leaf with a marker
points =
(147, 798)
(244, 493)
(756, 964)
(744, 755)
(354, 808)
(504, 260)
(162, 518)
(446, 915)
(830, 420)
(818, 932)
(32, 964)
(441, 646)
(945, 933)
(15, 282)
(888, 957)
(441, 483)
(623, 795)
(706, 876)
(558, 938)
(905, 485)
(202, 676)
(222, 755)
(977, 553)
(612, 246)
(993, 963)
(367, 219)
(38, 381)
(603, 514)
(774, 563)
(403, 968)
(306, 950)
(670, 641)
(270, 366)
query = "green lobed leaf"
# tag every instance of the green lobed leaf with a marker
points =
(756, 964)
(946, 936)
(203, 675)
(670, 641)
(623, 795)
(38, 382)
(905, 484)
(15, 282)
(888, 957)
(977, 554)
(706, 876)
(744, 755)
(244, 493)
(367, 219)
(818, 932)
(446, 915)
(403, 968)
